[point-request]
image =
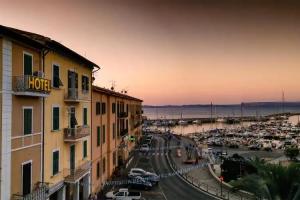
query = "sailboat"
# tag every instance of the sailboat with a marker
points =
(181, 121)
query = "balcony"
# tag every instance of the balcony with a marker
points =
(82, 168)
(123, 114)
(123, 132)
(27, 85)
(73, 96)
(75, 134)
(40, 192)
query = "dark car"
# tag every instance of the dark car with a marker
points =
(152, 178)
(139, 182)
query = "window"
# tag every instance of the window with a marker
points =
(103, 133)
(55, 77)
(114, 130)
(103, 108)
(28, 62)
(126, 107)
(98, 170)
(98, 135)
(98, 108)
(55, 118)
(84, 149)
(27, 123)
(55, 166)
(113, 107)
(103, 163)
(85, 83)
(114, 158)
(85, 114)
(26, 177)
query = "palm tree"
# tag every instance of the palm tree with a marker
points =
(274, 182)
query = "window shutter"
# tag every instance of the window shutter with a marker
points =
(76, 80)
(27, 64)
(84, 116)
(83, 82)
(84, 149)
(27, 121)
(55, 118)
(103, 132)
(56, 80)
(98, 135)
(87, 83)
(55, 167)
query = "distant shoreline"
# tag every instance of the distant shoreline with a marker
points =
(247, 104)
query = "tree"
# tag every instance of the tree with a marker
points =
(291, 152)
(272, 181)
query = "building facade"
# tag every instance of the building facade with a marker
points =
(23, 89)
(68, 127)
(116, 127)
(45, 118)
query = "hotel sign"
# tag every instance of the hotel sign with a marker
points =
(39, 84)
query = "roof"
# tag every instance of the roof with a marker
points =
(42, 42)
(114, 93)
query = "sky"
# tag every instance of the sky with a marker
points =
(177, 51)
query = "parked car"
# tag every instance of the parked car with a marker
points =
(152, 178)
(123, 194)
(144, 148)
(139, 182)
(139, 172)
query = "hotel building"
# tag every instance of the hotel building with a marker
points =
(116, 127)
(45, 118)
(23, 88)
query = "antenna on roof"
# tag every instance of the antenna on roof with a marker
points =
(113, 85)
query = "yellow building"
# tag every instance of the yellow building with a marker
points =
(116, 127)
(23, 89)
(46, 118)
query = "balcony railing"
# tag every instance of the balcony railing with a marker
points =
(123, 114)
(73, 95)
(27, 85)
(74, 134)
(39, 193)
(123, 132)
(81, 169)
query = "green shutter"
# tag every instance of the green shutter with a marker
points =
(98, 170)
(84, 116)
(27, 64)
(84, 149)
(98, 135)
(55, 167)
(55, 118)
(56, 76)
(114, 130)
(27, 121)
(103, 139)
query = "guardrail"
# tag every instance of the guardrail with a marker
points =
(212, 190)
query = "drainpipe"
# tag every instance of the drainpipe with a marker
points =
(44, 53)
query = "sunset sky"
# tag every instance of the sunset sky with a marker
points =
(177, 52)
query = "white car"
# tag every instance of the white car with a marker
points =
(144, 148)
(123, 194)
(139, 172)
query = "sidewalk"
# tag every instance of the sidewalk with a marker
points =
(199, 177)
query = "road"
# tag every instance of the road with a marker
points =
(171, 188)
